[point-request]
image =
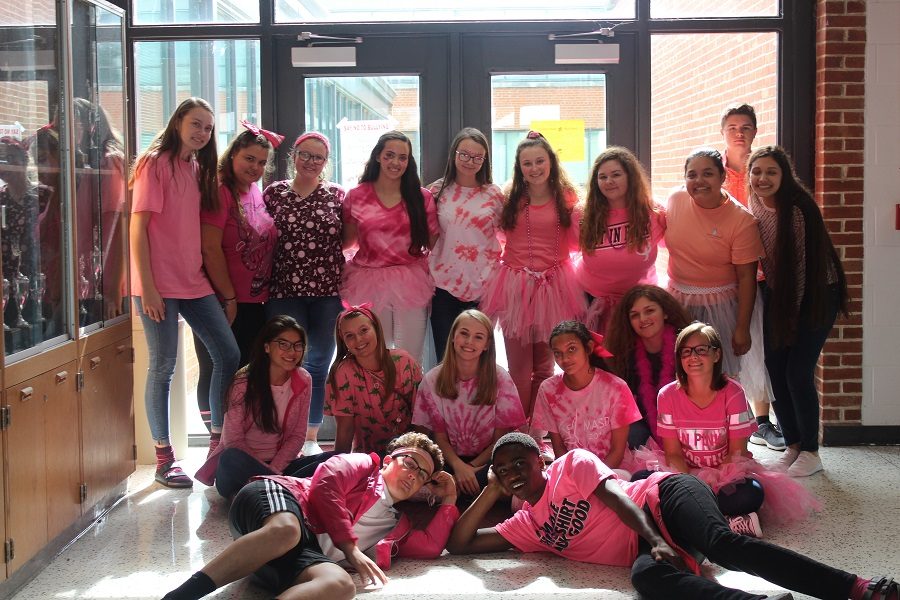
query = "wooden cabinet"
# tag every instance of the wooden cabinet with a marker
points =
(42, 461)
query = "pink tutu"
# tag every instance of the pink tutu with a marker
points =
(786, 499)
(395, 286)
(528, 305)
(599, 312)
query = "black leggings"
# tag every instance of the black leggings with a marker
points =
(692, 516)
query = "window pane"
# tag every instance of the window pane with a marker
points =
(684, 9)
(353, 112)
(568, 109)
(166, 12)
(223, 72)
(693, 79)
(343, 11)
(32, 188)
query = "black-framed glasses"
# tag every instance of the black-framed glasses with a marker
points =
(466, 157)
(317, 159)
(409, 464)
(286, 345)
(699, 350)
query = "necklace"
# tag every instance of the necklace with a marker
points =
(541, 276)
(648, 388)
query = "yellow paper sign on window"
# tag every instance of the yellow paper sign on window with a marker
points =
(566, 136)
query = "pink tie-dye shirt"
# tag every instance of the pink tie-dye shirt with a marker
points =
(470, 428)
(468, 246)
(704, 432)
(585, 418)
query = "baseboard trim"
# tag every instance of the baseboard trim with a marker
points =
(861, 435)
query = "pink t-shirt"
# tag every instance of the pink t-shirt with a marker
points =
(585, 418)
(704, 432)
(539, 241)
(570, 521)
(467, 247)
(172, 194)
(469, 427)
(384, 236)
(248, 243)
(612, 268)
(705, 244)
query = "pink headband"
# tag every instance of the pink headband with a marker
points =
(534, 135)
(274, 138)
(365, 309)
(599, 350)
(314, 135)
(418, 452)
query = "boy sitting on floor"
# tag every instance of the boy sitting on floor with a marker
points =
(293, 532)
(580, 509)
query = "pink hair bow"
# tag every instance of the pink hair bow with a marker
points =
(273, 137)
(534, 135)
(364, 308)
(599, 349)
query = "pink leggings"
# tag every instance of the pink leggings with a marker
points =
(529, 365)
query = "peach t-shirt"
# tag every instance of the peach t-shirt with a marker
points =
(172, 194)
(705, 244)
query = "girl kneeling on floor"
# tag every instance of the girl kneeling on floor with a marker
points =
(585, 406)
(468, 401)
(704, 421)
(268, 406)
(370, 388)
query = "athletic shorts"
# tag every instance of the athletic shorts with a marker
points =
(254, 504)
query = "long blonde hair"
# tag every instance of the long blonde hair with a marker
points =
(448, 376)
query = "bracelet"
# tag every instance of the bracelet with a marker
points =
(229, 300)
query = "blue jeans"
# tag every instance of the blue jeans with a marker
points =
(207, 319)
(792, 370)
(317, 315)
(445, 307)
(692, 516)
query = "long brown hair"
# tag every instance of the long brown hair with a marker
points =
(169, 140)
(448, 376)
(342, 353)
(483, 176)
(621, 340)
(225, 167)
(560, 185)
(638, 201)
(783, 307)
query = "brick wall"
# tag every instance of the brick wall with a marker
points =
(840, 100)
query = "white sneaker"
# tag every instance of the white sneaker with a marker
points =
(310, 447)
(746, 525)
(784, 462)
(807, 464)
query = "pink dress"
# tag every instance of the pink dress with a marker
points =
(611, 269)
(469, 427)
(383, 271)
(585, 418)
(703, 434)
(468, 247)
(533, 287)
(357, 394)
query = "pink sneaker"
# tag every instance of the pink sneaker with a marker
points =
(746, 525)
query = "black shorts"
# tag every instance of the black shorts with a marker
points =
(257, 501)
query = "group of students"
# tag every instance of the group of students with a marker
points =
(267, 286)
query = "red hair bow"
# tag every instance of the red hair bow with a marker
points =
(599, 349)
(273, 137)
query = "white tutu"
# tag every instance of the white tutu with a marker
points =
(396, 286)
(718, 307)
(529, 305)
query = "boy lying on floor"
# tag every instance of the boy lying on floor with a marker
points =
(660, 526)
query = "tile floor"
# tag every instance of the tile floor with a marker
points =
(156, 537)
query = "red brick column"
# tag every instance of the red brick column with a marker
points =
(840, 100)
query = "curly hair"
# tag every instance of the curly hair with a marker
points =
(418, 440)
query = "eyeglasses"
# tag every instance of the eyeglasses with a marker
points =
(409, 464)
(317, 159)
(699, 350)
(466, 157)
(286, 345)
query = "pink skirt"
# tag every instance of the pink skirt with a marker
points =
(786, 499)
(529, 305)
(396, 286)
